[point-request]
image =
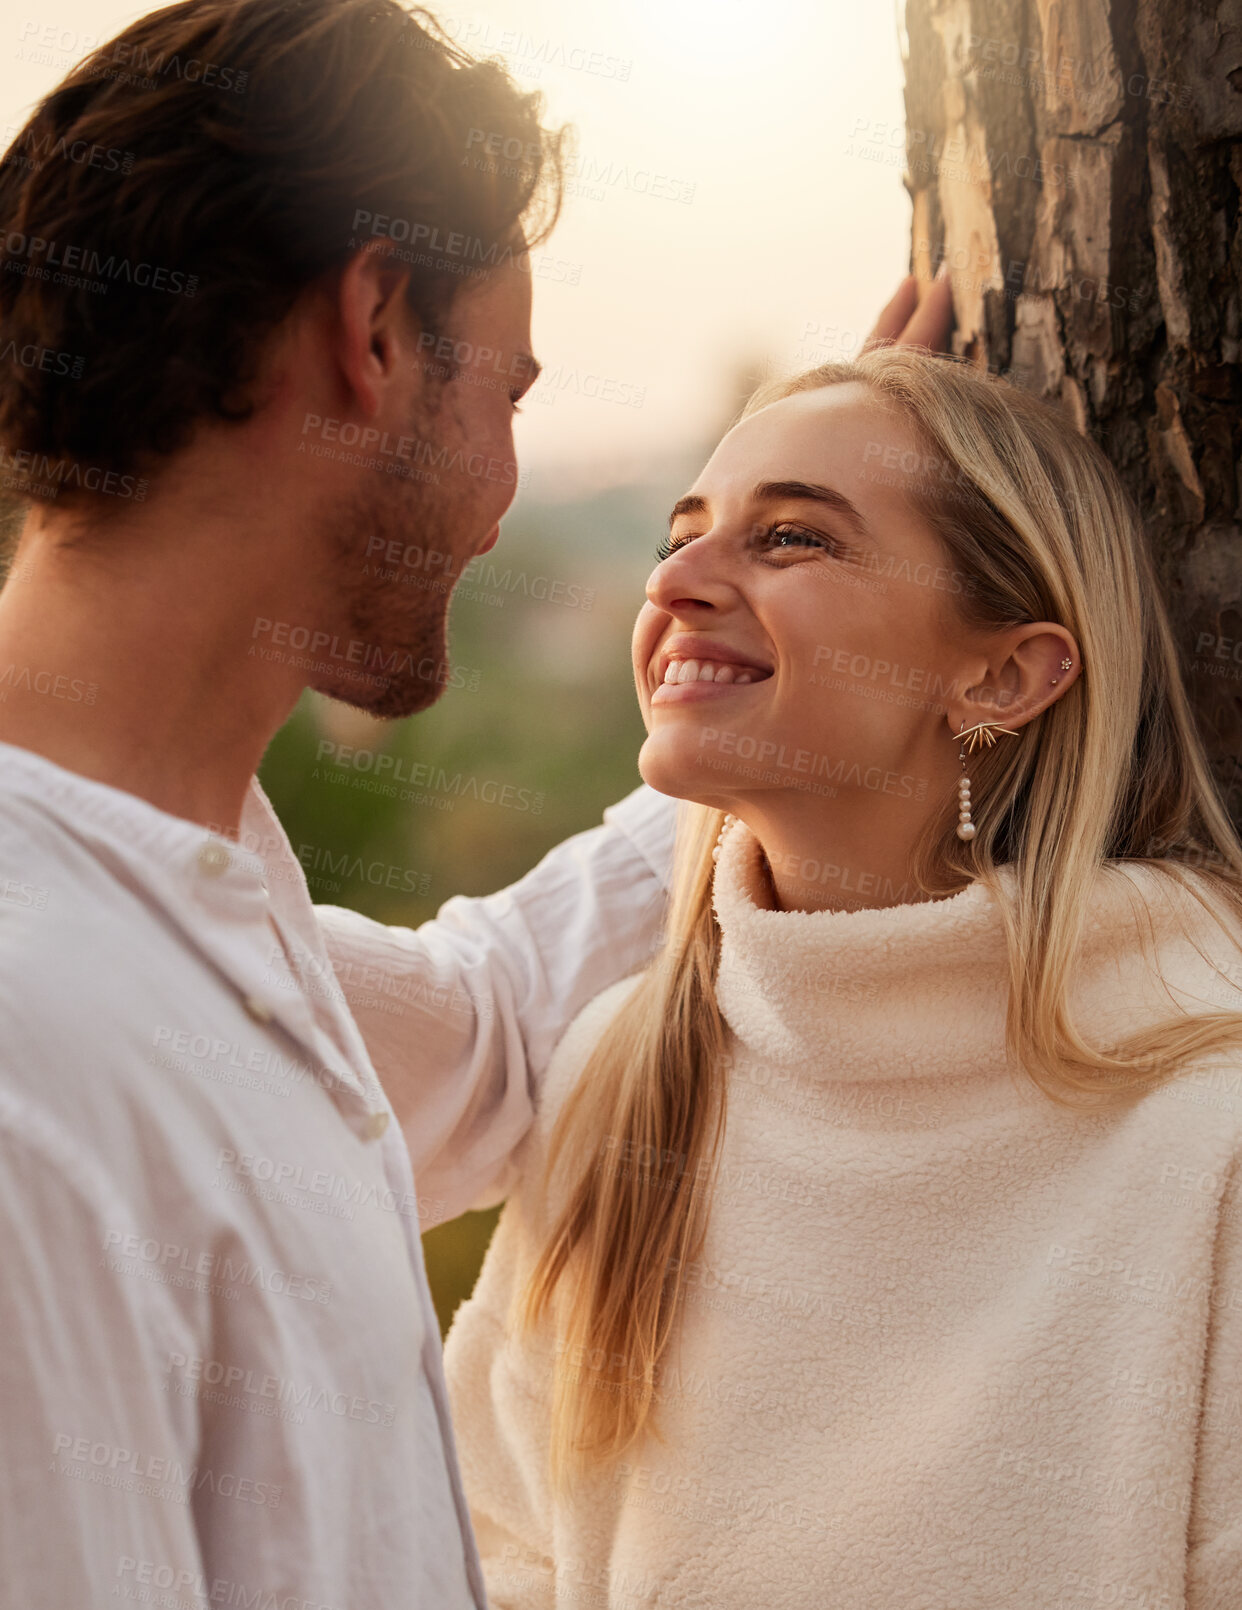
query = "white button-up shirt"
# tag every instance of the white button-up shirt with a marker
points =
(220, 1367)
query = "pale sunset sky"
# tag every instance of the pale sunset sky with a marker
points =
(738, 197)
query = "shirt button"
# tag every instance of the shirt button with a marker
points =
(257, 1009)
(376, 1124)
(213, 858)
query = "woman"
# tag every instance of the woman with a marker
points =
(879, 1245)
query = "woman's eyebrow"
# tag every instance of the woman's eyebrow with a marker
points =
(690, 504)
(811, 492)
(773, 491)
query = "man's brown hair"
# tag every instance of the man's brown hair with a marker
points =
(165, 206)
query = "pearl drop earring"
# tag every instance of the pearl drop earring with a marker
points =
(971, 737)
(965, 827)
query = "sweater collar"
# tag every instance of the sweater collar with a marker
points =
(920, 990)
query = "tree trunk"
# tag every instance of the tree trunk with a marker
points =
(1079, 165)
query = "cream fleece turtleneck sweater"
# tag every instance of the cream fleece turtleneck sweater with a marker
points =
(949, 1346)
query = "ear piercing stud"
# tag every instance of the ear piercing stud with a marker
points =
(1065, 665)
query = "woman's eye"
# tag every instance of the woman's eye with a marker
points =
(792, 536)
(776, 536)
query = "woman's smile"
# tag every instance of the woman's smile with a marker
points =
(692, 666)
(688, 680)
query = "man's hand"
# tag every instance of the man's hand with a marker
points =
(917, 316)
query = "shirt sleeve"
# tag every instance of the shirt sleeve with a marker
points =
(461, 1014)
(1214, 1565)
(90, 1510)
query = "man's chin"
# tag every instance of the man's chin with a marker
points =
(392, 701)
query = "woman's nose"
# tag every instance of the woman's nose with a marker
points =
(696, 575)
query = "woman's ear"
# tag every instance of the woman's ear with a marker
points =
(1043, 661)
(1025, 673)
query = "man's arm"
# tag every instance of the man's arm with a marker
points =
(92, 1487)
(461, 1014)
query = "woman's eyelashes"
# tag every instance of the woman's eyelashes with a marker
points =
(781, 536)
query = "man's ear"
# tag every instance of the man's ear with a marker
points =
(375, 323)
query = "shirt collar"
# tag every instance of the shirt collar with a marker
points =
(133, 831)
(235, 884)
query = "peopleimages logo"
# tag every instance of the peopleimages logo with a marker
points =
(374, 446)
(529, 54)
(29, 149)
(323, 650)
(49, 43)
(384, 771)
(36, 257)
(412, 564)
(24, 894)
(178, 1585)
(784, 762)
(468, 248)
(153, 1475)
(241, 1382)
(135, 1250)
(43, 476)
(55, 685)
(68, 365)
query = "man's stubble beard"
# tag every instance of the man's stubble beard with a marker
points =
(402, 621)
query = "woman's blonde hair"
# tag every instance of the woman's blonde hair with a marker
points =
(1038, 527)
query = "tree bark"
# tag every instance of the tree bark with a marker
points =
(1078, 163)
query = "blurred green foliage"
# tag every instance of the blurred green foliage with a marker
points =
(553, 713)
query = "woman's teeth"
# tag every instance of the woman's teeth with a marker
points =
(706, 671)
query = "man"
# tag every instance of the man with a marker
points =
(293, 321)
